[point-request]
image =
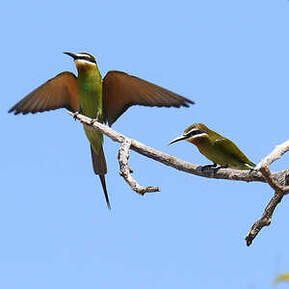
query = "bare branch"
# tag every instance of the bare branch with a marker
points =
(171, 161)
(274, 155)
(265, 220)
(279, 189)
(278, 180)
(125, 170)
(272, 182)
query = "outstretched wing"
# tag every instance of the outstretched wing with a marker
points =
(58, 92)
(121, 90)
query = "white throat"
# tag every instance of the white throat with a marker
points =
(84, 62)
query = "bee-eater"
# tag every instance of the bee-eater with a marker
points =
(102, 99)
(215, 147)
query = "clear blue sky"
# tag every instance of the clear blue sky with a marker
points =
(232, 58)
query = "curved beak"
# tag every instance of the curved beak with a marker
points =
(182, 137)
(74, 56)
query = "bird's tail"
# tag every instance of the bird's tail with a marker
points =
(102, 179)
(100, 169)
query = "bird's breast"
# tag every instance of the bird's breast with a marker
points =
(90, 98)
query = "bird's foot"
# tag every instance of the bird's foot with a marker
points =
(75, 114)
(203, 168)
(97, 117)
(92, 121)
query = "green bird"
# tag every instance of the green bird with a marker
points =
(102, 99)
(215, 147)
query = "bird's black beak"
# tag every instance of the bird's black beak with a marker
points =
(182, 137)
(74, 56)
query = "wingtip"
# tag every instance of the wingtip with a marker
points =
(187, 102)
(190, 101)
(15, 110)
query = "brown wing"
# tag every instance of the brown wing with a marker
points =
(60, 91)
(121, 90)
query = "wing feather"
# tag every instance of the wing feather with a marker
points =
(121, 90)
(225, 145)
(58, 92)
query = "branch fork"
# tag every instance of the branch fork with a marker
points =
(278, 181)
(280, 190)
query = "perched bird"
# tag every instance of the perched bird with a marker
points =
(102, 99)
(215, 147)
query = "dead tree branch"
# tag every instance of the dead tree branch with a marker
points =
(280, 190)
(125, 171)
(277, 180)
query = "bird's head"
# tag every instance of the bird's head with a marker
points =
(83, 60)
(193, 133)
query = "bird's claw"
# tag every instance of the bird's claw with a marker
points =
(253, 170)
(75, 114)
(203, 168)
(92, 121)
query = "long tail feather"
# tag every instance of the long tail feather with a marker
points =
(102, 179)
(100, 169)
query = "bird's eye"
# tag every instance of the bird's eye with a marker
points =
(194, 132)
(87, 58)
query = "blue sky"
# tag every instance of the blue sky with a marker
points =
(231, 58)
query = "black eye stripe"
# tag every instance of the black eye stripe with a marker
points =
(194, 132)
(87, 58)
